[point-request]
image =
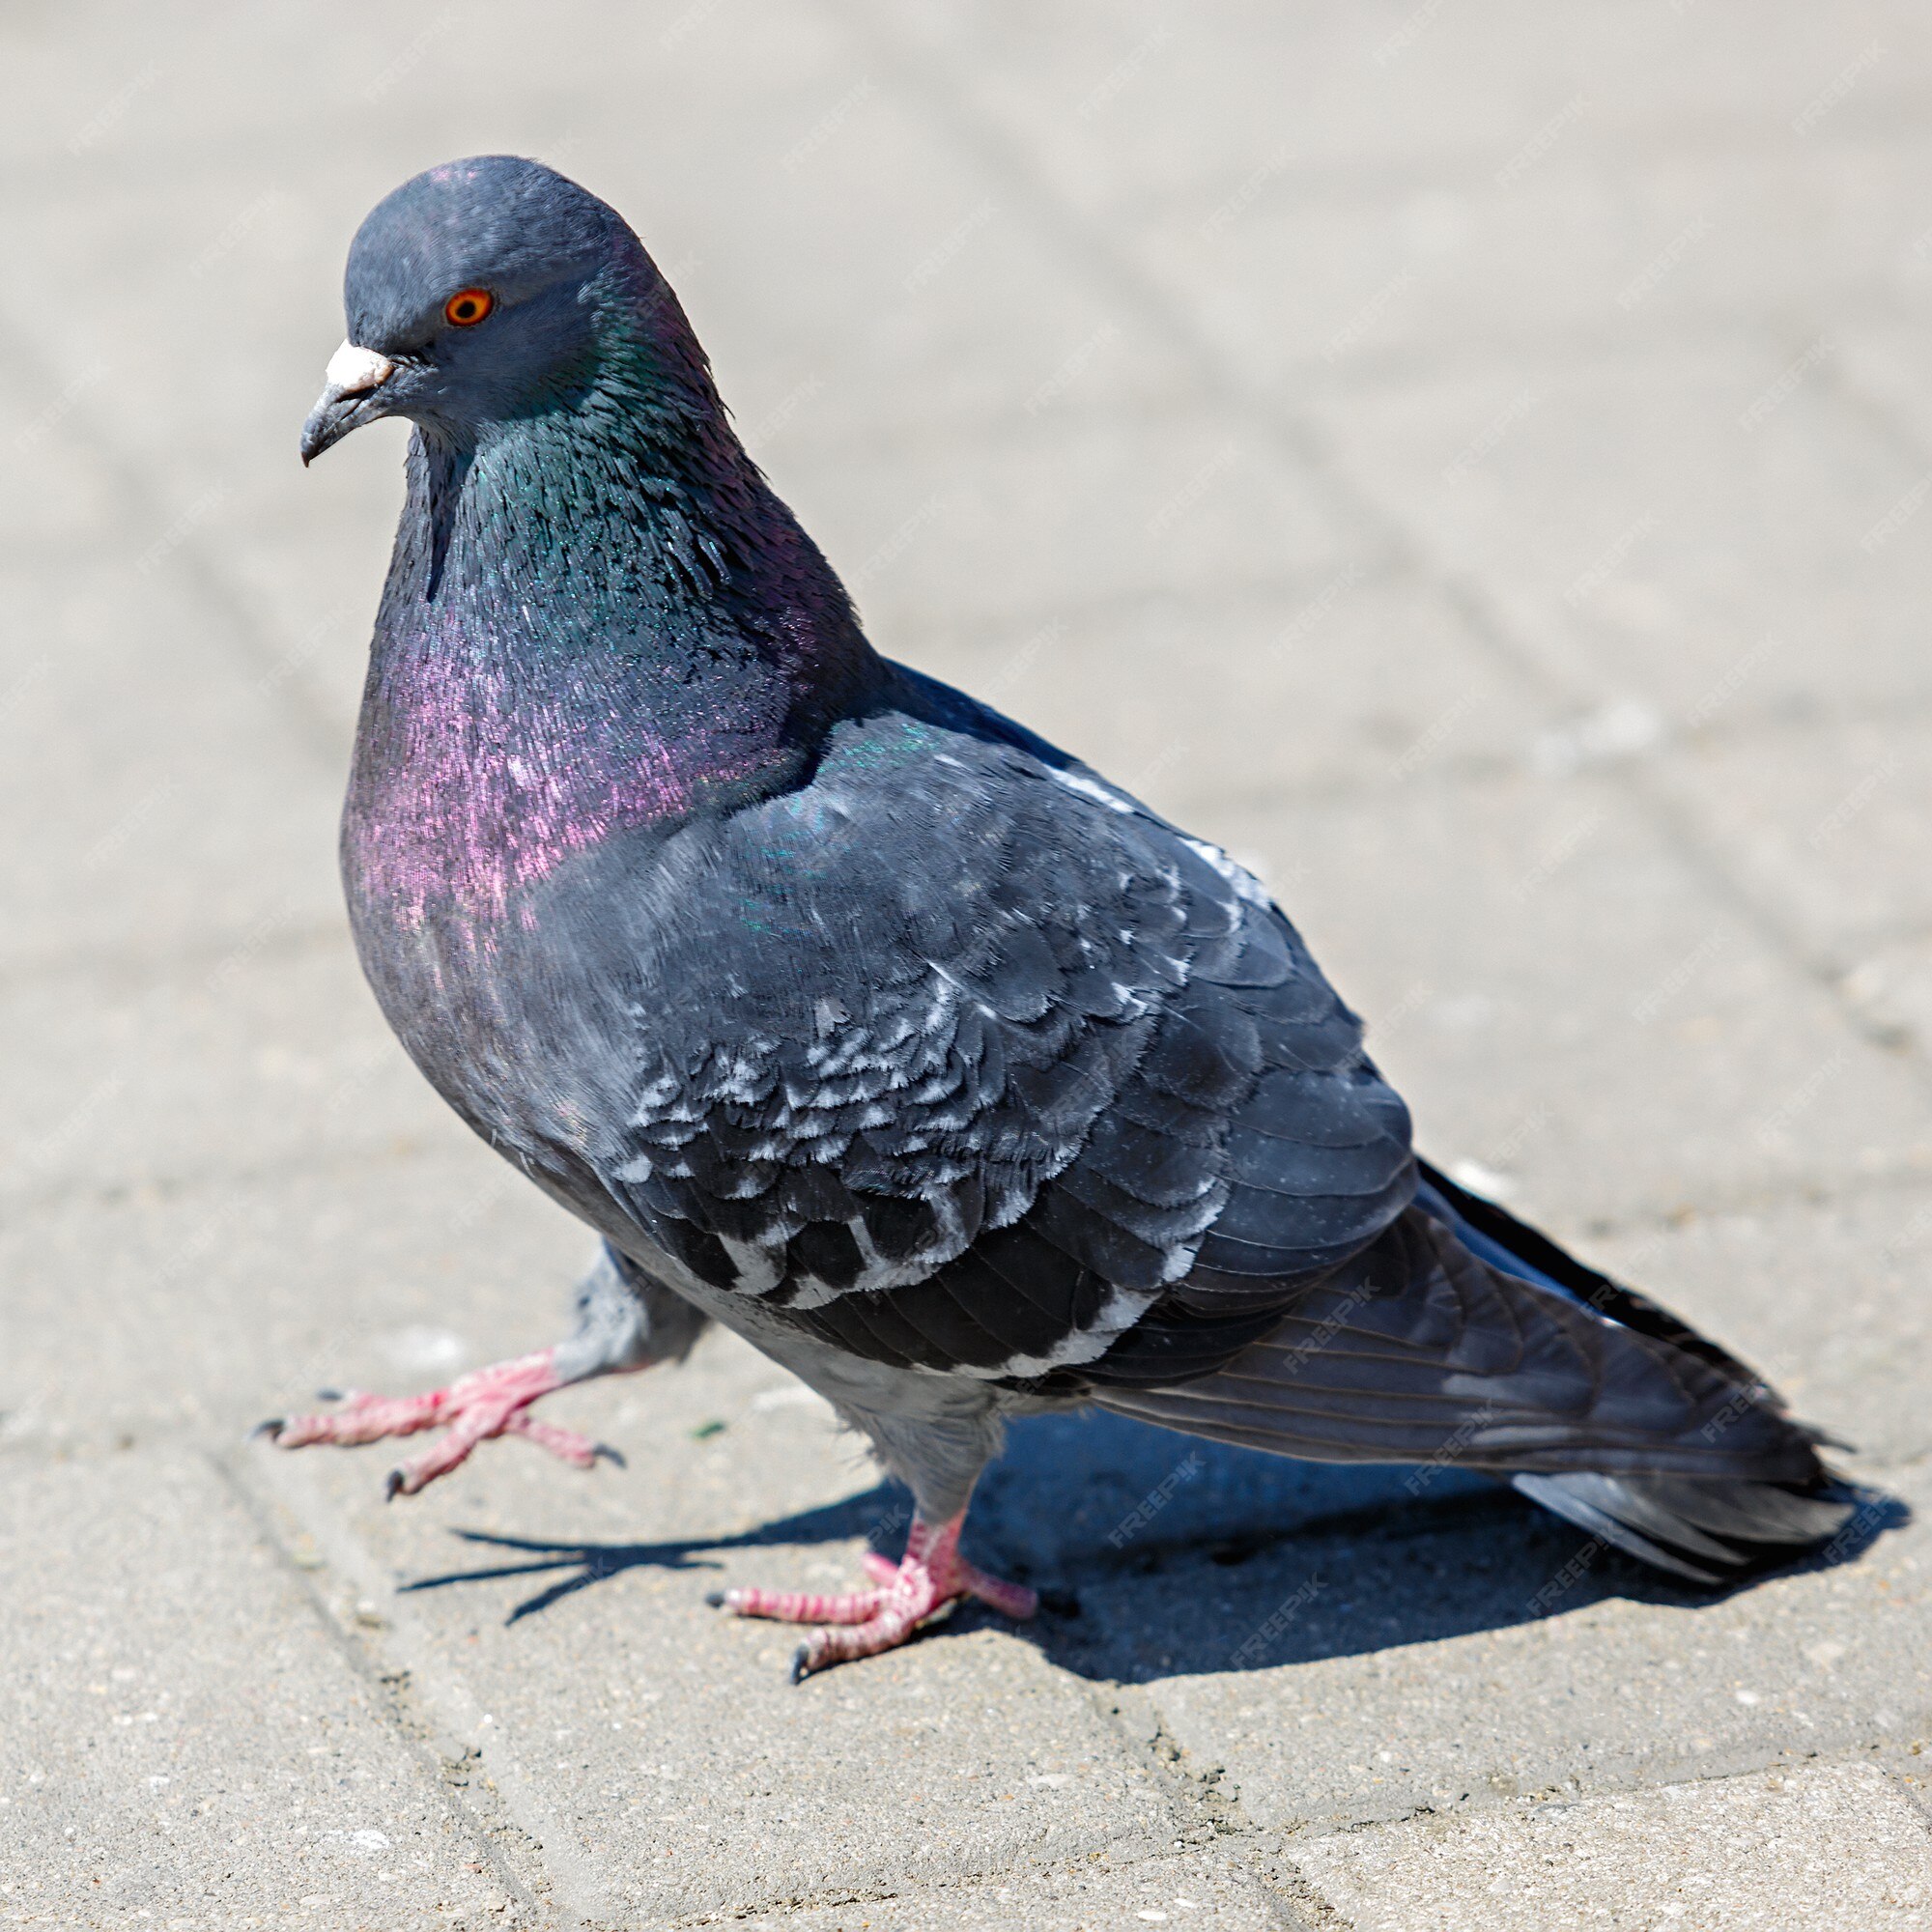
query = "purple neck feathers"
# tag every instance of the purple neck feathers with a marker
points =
(596, 621)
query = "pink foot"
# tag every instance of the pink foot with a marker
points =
(489, 1402)
(924, 1587)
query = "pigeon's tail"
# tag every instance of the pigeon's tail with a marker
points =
(1462, 1337)
(1712, 1531)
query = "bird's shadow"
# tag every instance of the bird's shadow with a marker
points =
(1161, 1556)
(878, 1514)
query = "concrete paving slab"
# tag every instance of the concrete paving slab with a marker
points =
(180, 812)
(556, 1624)
(1346, 681)
(208, 470)
(1109, 101)
(269, 1052)
(1890, 988)
(1564, 1004)
(1824, 822)
(1836, 1849)
(1492, 1652)
(1877, 354)
(59, 498)
(917, 296)
(1047, 514)
(1344, 282)
(1205, 1892)
(1826, 1299)
(1713, 524)
(206, 1307)
(102, 94)
(188, 1744)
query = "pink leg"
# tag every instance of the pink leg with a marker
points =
(489, 1402)
(932, 1577)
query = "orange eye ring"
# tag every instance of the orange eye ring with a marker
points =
(467, 307)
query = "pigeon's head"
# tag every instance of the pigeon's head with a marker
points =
(484, 291)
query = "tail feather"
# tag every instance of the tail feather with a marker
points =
(1656, 1519)
(1563, 1496)
(1462, 1336)
(1499, 1237)
(1624, 1501)
(1759, 1512)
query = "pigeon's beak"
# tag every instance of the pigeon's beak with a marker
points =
(351, 396)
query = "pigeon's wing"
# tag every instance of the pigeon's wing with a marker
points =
(958, 1058)
(1420, 1349)
(1441, 1343)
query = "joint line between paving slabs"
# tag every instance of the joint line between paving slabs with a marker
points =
(389, 1701)
(1132, 1713)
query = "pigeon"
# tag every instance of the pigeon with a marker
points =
(858, 1019)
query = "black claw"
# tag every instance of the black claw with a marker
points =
(608, 1454)
(1059, 1602)
(272, 1428)
(800, 1664)
(715, 1598)
(328, 1395)
(392, 1486)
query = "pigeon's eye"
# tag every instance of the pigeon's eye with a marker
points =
(467, 307)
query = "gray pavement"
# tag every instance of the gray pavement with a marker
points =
(1473, 460)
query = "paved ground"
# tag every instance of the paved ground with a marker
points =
(1471, 458)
